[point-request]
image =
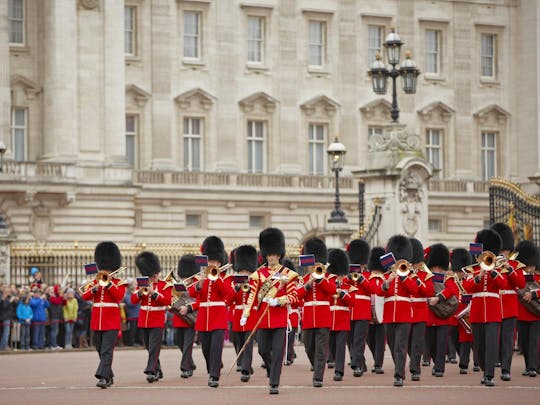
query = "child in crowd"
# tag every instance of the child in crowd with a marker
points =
(70, 311)
(24, 315)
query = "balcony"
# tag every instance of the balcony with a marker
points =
(458, 186)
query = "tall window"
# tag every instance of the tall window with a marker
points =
(19, 133)
(488, 55)
(130, 17)
(375, 40)
(131, 139)
(317, 43)
(256, 135)
(16, 22)
(255, 39)
(488, 152)
(193, 128)
(433, 51)
(434, 150)
(317, 152)
(192, 34)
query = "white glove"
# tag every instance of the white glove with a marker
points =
(273, 302)
(243, 321)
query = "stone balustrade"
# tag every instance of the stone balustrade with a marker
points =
(458, 186)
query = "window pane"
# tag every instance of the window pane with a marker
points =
(187, 143)
(16, 21)
(191, 34)
(130, 123)
(19, 117)
(375, 34)
(256, 221)
(193, 220)
(130, 149)
(195, 155)
(19, 141)
(258, 157)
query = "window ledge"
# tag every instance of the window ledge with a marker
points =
(318, 71)
(430, 77)
(132, 60)
(489, 81)
(193, 62)
(256, 67)
(18, 48)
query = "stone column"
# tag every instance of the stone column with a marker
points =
(59, 80)
(5, 95)
(5, 274)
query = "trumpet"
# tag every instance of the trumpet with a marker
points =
(489, 261)
(245, 287)
(102, 277)
(318, 271)
(144, 290)
(402, 268)
(354, 276)
(211, 272)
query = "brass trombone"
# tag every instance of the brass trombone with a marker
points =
(212, 273)
(102, 277)
(354, 276)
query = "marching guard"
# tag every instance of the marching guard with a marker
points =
(294, 321)
(376, 333)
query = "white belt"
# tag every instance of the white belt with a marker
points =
(105, 304)
(239, 306)
(338, 308)
(294, 311)
(396, 298)
(362, 297)
(418, 300)
(508, 292)
(212, 304)
(315, 303)
(151, 308)
(485, 294)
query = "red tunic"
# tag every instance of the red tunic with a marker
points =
(450, 290)
(512, 281)
(237, 302)
(317, 301)
(361, 297)
(397, 302)
(211, 297)
(486, 301)
(419, 300)
(152, 313)
(341, 309)
(105, 308)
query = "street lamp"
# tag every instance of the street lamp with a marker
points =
(2, 151)
(408, 72)
(336, 152)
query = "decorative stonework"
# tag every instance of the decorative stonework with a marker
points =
(378, 109)
(23, 89)
(410, 197)
(4, 261)
(436, 111)
(395, 138)
(195, 99)
(259, 101)
(41, 222)
(495, 112)
(321, 106)
(89, 4)
(139, 95)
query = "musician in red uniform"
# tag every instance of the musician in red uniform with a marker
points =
(185, 332)
(316, 294)
(397, 290)
(417, 339)
(528, 322)
(459, 259)
(212, 316)
(358, 251)
(484, 284)
(340, 309)
(437, 328)
(245, 263)
(105, 318)
(513, 280)
(273, 289)
(294, 321)
(376, 333)
(154, 301)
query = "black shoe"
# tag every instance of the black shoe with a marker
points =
(317, 383)
(505, 377)
(483, 381)
(497, 364)
(331, 364)
(274, 390)
(357, 372)
(338, 376)
(102, 383)
(379, 370)
(438, 374)
(415, 377)
(245, 376)
(213, 382)
(476, 368)
(238, 368)
(159, 374)
(288, 362)
(110, 382)
(532, 373)
(398, 382)
(453, 361)
(263, 365)
(425, 363)
(185, 374)
(488, 382)
(151, 378)
(463, 371)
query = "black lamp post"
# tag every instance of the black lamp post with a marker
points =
(408, 72)
(336, 152)
(2, 151)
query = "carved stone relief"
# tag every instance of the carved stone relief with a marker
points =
(410, 197)
(41, 222)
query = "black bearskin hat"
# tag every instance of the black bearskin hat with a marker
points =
(187, 267)
(460, 258)
(358, 250)
(400, 246)
(339, 262)
(213, 247)
(107, 256)
(148, 264)
(490, 240)
(528, 253)
(232, 258)
(375, 258)
(245, 258)
(417, 251)
(315, 246)
(272, 241)
(439, 256)
(506, 235)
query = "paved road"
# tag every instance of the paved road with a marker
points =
(67, 378)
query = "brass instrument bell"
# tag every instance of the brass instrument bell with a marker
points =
(318, 271)
(402, 268)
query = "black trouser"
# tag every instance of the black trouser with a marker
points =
(316, 344)
(486, 339)
(529, 335)
(104, 340)
(291, 336)
(271, 344)
(153, 337)
(337, 344)
(245, 359)
(212, 348)
(417, 341)
(452, 342)
(397, 335)
(358, 337)
(375, 343)
(464, 354)
(506, 345)
(184, 340)
(437, 340)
